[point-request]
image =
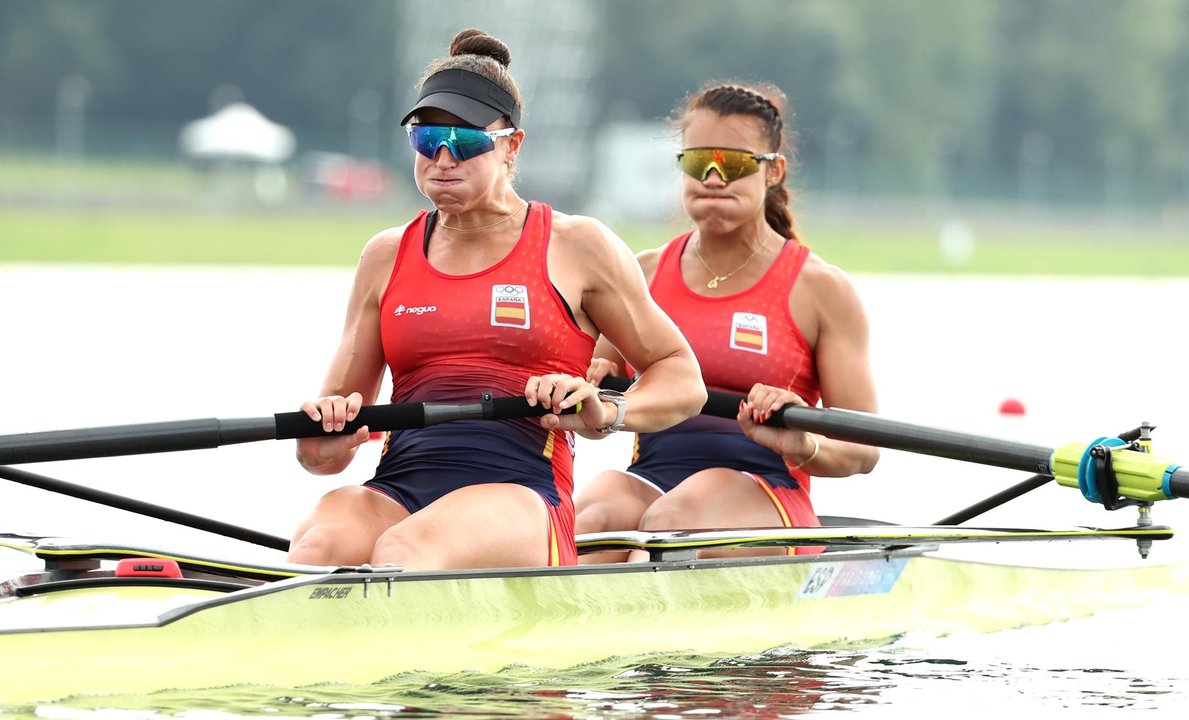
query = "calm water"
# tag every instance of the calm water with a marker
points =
(86, 347)
(1051, 670)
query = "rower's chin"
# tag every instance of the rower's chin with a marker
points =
(715, 214)
(715, 223)
(451, 198)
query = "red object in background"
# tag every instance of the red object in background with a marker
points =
(1011, 406)
(347, 179)
(357, 180)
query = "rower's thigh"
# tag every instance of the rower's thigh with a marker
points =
(479, 526)
(612, 500)
(716, 498)
(344, 527)
(713, 498)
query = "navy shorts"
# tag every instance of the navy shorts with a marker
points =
(420, 466)
(666, 458)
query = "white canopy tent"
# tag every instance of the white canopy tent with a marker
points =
(237, 131)
(235, 136)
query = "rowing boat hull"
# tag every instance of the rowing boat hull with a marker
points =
(363, 627)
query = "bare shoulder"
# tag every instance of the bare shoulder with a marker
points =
(378, 256)
(649, 260)
(382, 247)
(830, 284)
(587, 242)
(584, 231)
(384, 243)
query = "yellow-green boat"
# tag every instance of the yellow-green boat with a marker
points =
(101, 618)
(84, 627)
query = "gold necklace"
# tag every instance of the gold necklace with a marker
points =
(715, 278)
(502, 220)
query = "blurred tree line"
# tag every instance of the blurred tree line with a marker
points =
(1044, 100)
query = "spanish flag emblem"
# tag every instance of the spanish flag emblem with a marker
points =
(749, 332)
(509, 306)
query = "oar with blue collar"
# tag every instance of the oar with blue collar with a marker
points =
(1112, 471)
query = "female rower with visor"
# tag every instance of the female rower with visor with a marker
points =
(486, 292)
(767, 318)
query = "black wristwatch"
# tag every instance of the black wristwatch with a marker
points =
(621, 408)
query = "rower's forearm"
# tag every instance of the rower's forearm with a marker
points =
(315, 465)
(834, 458)
(668, 392)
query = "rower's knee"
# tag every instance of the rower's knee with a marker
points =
(671, 512)
(405, 546)
(317, 546)
(596, 517)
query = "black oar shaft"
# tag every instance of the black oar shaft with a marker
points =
(870, 429)
(202, 434)
(1179, 483)
(137, 506)
(131, 439)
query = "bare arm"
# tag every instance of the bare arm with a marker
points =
(357, 368)
(838, 331)
(617, 300)
(606, 359)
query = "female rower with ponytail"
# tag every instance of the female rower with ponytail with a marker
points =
(767, 318)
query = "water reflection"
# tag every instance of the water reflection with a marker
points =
(932, 678)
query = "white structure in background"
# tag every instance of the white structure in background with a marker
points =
(238, 133)
(554, 62)
(956, 244)
(635, 175)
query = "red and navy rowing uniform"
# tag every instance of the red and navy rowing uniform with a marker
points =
(452, 337)
(739, 339)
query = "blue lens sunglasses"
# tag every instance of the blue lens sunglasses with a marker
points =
(463, 142)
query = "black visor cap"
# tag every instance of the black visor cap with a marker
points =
(472, 97)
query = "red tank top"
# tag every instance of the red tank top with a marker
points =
(447, 336)
(747, 337)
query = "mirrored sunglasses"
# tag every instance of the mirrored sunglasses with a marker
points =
(730, 163)
(463, 142)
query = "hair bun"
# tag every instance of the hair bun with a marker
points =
(477, 42)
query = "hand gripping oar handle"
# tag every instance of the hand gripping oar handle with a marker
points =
(1151, 477)
(407, 416)
(212, 432)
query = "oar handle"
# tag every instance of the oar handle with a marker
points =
(407, 416)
